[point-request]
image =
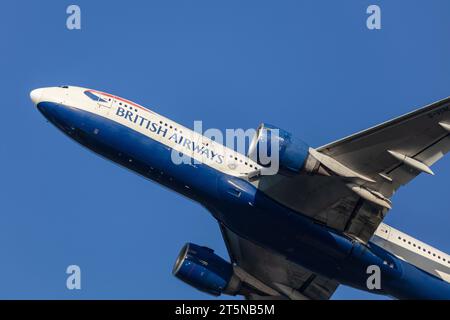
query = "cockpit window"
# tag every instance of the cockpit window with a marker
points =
(93, 96)
(64, 87)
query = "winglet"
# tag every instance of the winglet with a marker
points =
(413, 163)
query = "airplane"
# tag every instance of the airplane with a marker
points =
(299, 233)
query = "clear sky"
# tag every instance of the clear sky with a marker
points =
(310, 67)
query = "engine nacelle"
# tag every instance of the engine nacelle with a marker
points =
(201, 268)
(293, 153)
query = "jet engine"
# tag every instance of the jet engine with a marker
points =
(272, 145)
(201, 268)
(294, 155)
(269, 141)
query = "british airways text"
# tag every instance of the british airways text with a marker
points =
(164, 132)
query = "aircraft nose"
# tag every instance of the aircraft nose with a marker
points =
(35, 95)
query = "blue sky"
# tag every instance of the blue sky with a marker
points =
(310, 67)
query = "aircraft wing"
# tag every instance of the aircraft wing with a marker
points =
(422, 135)
(390, 155)
(268, 275)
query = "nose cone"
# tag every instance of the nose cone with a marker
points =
(36, 95)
